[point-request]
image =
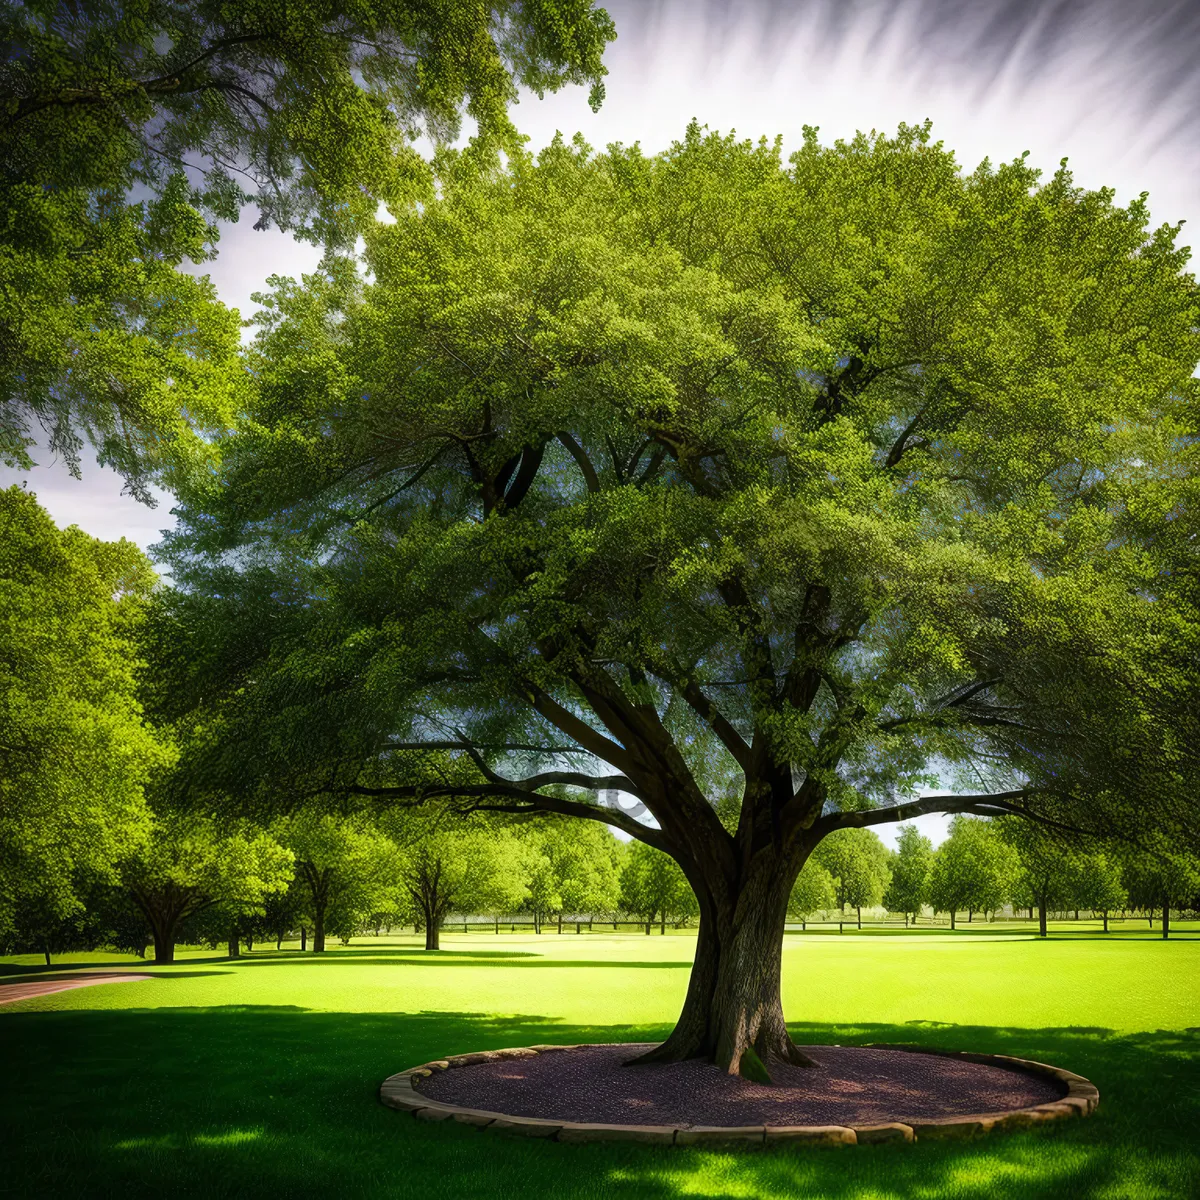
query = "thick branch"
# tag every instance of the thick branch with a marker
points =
(585, 463)
(589, 812)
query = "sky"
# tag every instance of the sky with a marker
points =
(1110, 84)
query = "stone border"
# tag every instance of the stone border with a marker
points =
(400, 1091)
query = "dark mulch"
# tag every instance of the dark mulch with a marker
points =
(849, 1086)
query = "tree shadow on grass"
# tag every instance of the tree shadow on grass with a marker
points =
(281, 1101)
(463, 958)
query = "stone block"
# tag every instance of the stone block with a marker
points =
(710, 1135)
(405, 1099)
(433, 1112)
(514, 1052)
(953, 1127)
(476, 1116)
(527, 1126)
(813, 1135)
(577, 1131)
(889, 1131)
(546, 1049)
(438, 1064)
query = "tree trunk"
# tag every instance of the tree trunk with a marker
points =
(163, 932)
(952, 913)
(1166, 919)
(647, 928)
(303, 937)
(234, 948)
(970, 915)
(1106, 920)
(319, 931)
(858, 910)
(560, 922)
(46, 952)
(662, 923)
(497, 924)
(432, 934)
(249, 942)
(279, 942)
(1042, 919)
(1077, 914)
(733, 1002)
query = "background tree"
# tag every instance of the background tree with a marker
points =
(814, 890)
(75, 750)
(973, 869)
(575, 870)
(345, 868)
(1044, 876)
(908, 888)
(305, 110)
(448, 867)
(704, 466)
(189, 864)
(1161, 877)
(653, 886)
(1097, 885)
(857, 861)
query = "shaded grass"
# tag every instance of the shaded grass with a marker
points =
(260, 1077)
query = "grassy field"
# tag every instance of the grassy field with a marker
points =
(259, 1077)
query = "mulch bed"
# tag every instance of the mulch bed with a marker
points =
(849, 1086)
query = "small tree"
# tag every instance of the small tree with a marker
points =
(858, 862)
(973, 869)
(813, 891)
(911, 865)
(191, 864)
(446, 867)
(1098, 885)
(1045, 875)
(1160, 878)
(652, 885)
(572, 869)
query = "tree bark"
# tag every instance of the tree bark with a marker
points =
(1166, 919)
(46, 952)
(952, 914)
(432, 932)
(1106, 920)
(234, 949)
(858, 910)
(733, 1000)
(662, 923)
(1042, 919)
(303, 937)
(319, 929)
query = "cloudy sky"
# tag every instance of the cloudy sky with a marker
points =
(1110, 84)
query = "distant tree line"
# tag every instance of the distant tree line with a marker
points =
(985, 864)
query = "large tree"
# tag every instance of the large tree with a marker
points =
(75, 749)
(638, 475)
(128, 129)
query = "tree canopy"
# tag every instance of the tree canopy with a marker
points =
(129, 129)
(648, 473)
(75, 751)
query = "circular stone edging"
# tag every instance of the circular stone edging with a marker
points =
(400, 1091)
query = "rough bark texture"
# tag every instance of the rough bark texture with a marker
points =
(733, 1000)
(1042, 919)
(319, 930)
(1166, 920)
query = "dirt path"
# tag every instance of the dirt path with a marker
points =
(10, 993)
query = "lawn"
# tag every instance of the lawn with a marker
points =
(258, 1077)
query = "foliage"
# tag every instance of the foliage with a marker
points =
(911, 865)
(813, 891)
(1161, 876)
(858, 864)
(635, 474)
(190, 863)
(307, 110)
(345, 868)
(572, 869)
(447, 866)
(974, 868)
(75, 751)
(654, 887)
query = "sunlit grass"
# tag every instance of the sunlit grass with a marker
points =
(259, 1077)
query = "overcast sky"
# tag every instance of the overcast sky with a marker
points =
(1111, 84)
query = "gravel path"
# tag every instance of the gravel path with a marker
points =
(10, 993)
(849, 1086)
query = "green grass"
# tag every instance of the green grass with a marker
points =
(259, 1077)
